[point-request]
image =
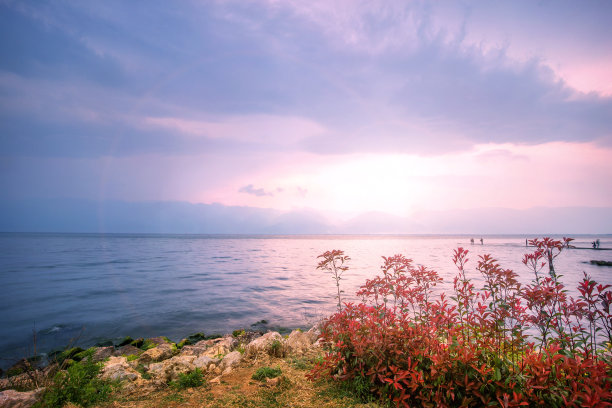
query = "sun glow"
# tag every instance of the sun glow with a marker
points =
(490, 175)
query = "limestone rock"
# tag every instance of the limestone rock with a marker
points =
(204, 362)
(127, 350)
(102, 353)
(26, 380)
(158, 340)
(314, 334)
(220, 347)
(118, 369)
(298, 342)
(169, 370)
(159, 353)
(229, 361)
(195, 349)
(15, 399)
(263, 343)
(140, 387)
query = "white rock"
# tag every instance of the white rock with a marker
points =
(159, 353)
(169, 370)
(298, 342)
(230, 361)
(262, 344)
(118, 369)
(15, 399)
(221, 347)
(314, 334)
(204, 362)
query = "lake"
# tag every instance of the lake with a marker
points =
(94, 287)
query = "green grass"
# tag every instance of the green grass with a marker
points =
(266, 372)
(79, 384)
(357, 391)
(144, 374)
(175, 397)
(301, 363)
(276, 349)
(190, 380)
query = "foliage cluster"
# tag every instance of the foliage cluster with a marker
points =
(188, 380)
(503, 344)
(266, 372)
(276, 349)
(79, 384)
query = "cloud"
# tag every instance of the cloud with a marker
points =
(322, 77)
(258, 192)
(192, 101)
(302, 192)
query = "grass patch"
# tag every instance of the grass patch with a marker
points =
(143, 372)
(190, 380)
(274, 397)
(355, 392)
(79, 384)
(301, 363)
(266, 372)
(174, 397)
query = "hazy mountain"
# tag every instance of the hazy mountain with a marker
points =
(68, 215)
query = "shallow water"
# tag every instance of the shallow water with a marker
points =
(95, 287)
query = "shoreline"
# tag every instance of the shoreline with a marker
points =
(45, 357)
(152, 365)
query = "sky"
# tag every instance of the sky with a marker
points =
(335, 107)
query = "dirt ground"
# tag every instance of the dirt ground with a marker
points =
(238, 389)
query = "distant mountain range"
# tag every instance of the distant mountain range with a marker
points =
(76, 215)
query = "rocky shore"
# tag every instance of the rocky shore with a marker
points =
(145, 365)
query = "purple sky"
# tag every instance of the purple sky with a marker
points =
(341, 107)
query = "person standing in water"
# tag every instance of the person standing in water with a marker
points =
(481, 241)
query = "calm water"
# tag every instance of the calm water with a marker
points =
(101, 287)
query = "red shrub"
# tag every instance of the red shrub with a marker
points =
(417, 350)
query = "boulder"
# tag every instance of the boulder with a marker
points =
(298, 342)
(314, 334)
(102, 353)
(262, 344)
(220, 347)
(127, 350)
(150, 342)
(196, 349)
(162, 352)
(169, 370)
(139, 387)
(26, 380)
(15, 399)
(229, 361)
(158, 340)
(118, 369)
(205, 362)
